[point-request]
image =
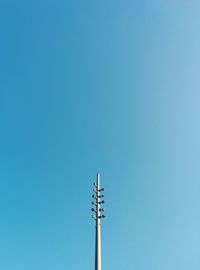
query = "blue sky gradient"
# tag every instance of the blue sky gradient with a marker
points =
(108, 86)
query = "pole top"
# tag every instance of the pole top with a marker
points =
(98, 180)
(98, 200)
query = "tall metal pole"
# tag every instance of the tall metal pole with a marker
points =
(97, 217)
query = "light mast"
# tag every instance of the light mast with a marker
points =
(98, 214)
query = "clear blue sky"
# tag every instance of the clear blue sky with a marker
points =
(108, 86)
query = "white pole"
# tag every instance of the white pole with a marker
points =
(98, 228)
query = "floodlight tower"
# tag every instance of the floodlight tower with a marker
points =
(98, 211)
